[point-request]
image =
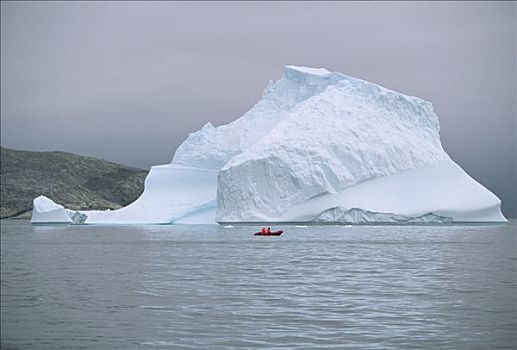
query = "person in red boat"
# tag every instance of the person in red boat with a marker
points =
(268, 232)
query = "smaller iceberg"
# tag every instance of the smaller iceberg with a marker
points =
(46, 211)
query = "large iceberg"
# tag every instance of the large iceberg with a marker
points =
(318, 147)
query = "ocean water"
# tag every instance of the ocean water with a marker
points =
(211, 287)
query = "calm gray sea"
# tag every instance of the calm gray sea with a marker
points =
(211, 287)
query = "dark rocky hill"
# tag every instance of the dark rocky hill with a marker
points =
(77, 182)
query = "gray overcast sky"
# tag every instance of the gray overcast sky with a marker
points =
(127, 81)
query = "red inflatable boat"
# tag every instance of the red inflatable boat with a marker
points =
(273, 233)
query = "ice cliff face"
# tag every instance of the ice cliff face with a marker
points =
(318, 147)
(348, 132)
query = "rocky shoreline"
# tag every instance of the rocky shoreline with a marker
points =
(79, 182)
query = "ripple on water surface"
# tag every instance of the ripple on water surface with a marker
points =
(211, 287)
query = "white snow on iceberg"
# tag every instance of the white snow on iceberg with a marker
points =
(173, 194)
(318, 147)
(440, 193)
